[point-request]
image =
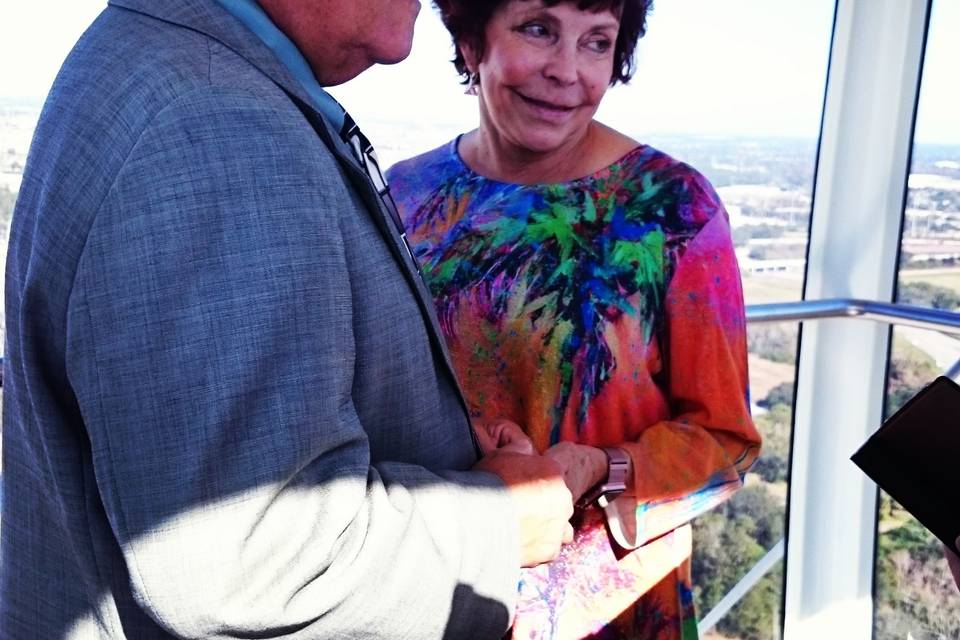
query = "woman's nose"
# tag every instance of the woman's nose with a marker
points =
(561, 66)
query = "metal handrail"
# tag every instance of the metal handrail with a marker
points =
(894, 314)
(953, 372)
(891, 313)
(888, 312)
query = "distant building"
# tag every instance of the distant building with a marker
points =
(948, 165)
(929, 250)
(754, 204)
(785, 266)
(933, 181)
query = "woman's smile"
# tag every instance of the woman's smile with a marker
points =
(546, 109)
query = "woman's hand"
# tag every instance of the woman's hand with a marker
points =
(496, 434)
(583, 466)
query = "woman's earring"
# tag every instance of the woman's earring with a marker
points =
(473, 85)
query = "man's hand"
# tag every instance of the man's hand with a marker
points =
(583, 466)
(502, 434)
(543, 502)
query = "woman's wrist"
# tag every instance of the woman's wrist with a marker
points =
(584, 467)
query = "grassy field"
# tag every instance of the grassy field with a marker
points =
(763, 288)
(766, 374)
(949, 278)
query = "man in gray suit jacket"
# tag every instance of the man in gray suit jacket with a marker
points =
(228, 412)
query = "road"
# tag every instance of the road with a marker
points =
(944, 349)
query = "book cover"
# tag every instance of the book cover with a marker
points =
(915, 457)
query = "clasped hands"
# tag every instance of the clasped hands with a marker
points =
(543, 487)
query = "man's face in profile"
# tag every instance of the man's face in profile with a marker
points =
(385, 28)
(341, 38)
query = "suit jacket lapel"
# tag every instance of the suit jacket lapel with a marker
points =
(210, 19)
(365, 188)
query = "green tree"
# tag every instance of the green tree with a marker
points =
(915, 591)
(774, 427)
(728, 542)
(925, 294)
(910, 370)
(780, 394)
(773, 341)
(757, 616)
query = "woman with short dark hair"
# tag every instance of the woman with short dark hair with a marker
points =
(588, 289)
(467, 21)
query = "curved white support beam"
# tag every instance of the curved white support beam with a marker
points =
(854, 240)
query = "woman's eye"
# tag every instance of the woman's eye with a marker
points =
(534, 29)
(600, 45)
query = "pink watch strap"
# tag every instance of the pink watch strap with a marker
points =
(618, 467)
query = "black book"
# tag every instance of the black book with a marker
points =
(915, 457)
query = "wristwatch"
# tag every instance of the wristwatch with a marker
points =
(605, 492)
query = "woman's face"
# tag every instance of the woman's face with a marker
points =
(544, 71)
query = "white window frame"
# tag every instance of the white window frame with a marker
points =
(866, 141)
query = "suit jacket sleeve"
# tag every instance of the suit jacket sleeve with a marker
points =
(210, 347)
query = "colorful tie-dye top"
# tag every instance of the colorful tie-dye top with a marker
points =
(605, 310)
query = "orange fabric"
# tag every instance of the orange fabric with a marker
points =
(605, 311)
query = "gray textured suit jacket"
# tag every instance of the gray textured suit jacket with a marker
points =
(227, 411)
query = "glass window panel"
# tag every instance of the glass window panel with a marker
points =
(915, 593)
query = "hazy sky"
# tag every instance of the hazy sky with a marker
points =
(703, 67)
(732, 67)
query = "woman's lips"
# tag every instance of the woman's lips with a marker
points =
(547, 110)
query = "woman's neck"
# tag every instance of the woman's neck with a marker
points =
(496, 158)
